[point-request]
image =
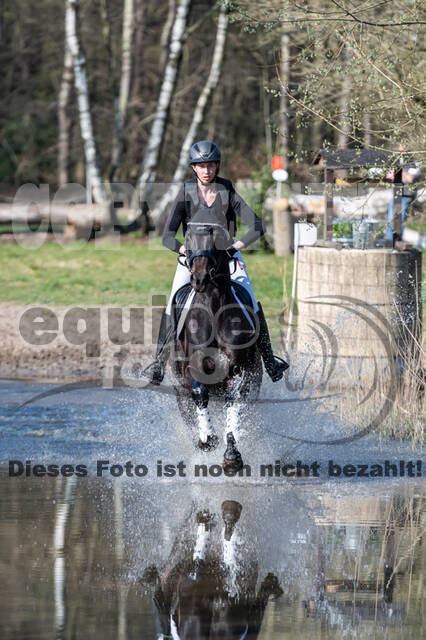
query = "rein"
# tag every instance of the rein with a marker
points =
(187, 262)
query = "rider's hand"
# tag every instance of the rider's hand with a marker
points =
(182, 250)
(238, 245)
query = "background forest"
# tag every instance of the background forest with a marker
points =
(293, 78)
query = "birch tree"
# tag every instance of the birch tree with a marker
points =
(197, 117)
(126, 73)
(96, 184)
(156, 137)
(136, 98)
(111, 76)
(165, 34)
(64, 121)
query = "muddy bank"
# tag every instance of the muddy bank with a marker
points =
(96, 356)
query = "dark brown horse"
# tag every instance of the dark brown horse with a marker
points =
(215, 349)
(208, 587)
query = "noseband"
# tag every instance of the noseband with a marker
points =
(203, 253)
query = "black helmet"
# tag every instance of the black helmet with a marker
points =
(204, 151)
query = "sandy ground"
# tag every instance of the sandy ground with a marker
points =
(61, 359)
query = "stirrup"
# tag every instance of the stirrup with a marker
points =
(276, 368)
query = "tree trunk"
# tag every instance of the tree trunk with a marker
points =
(344, 103)
(111, 75)
(64, 120)
(197, 117)
(266, 111)
(317, 125)
(96, 186)
(156, 137)
(126, 73)
(1, 21)
(165, 34)
(285, 78)
(366, 123)
(134, 140)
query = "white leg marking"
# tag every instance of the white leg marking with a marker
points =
(204, 424)
(233, 421)
(232, 562)
(201, 542)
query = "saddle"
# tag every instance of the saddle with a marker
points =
(182, 301)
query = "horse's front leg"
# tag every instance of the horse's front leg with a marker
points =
(232, 460)
(208, 440)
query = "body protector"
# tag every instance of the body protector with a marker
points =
(227, 208)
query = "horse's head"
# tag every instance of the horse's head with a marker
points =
(205, 247)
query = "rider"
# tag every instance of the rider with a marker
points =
(215, 196)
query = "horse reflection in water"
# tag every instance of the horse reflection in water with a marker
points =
(215, 348)
(208, 589)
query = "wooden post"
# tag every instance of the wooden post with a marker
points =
(283, 225)
(328, 195)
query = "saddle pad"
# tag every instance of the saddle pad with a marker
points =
(183, 299)
(242, 294)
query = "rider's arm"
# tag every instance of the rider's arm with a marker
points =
(176, 217)
(248, 217)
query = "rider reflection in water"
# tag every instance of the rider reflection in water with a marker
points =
(208, 197)
(208, 588)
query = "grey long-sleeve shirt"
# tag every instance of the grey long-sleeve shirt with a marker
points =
(227, 207)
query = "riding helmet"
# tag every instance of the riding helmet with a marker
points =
(204, 151)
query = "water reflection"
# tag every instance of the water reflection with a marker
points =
(59, 578)
(90, 558)
(208, 587)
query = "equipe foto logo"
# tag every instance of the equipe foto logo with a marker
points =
(84, 327)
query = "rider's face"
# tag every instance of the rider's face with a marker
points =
(205, 171)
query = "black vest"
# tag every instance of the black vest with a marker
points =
(220, 211)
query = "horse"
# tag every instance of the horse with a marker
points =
(215, 352)
(208, 587)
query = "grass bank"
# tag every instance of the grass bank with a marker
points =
(125, 274)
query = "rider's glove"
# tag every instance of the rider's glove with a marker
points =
(231, 251)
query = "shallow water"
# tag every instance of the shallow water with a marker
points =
(201, 557)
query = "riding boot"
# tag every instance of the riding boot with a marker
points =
(155, 370)
(274, 365)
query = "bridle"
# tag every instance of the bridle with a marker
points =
(203, 229)
(203, 253)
